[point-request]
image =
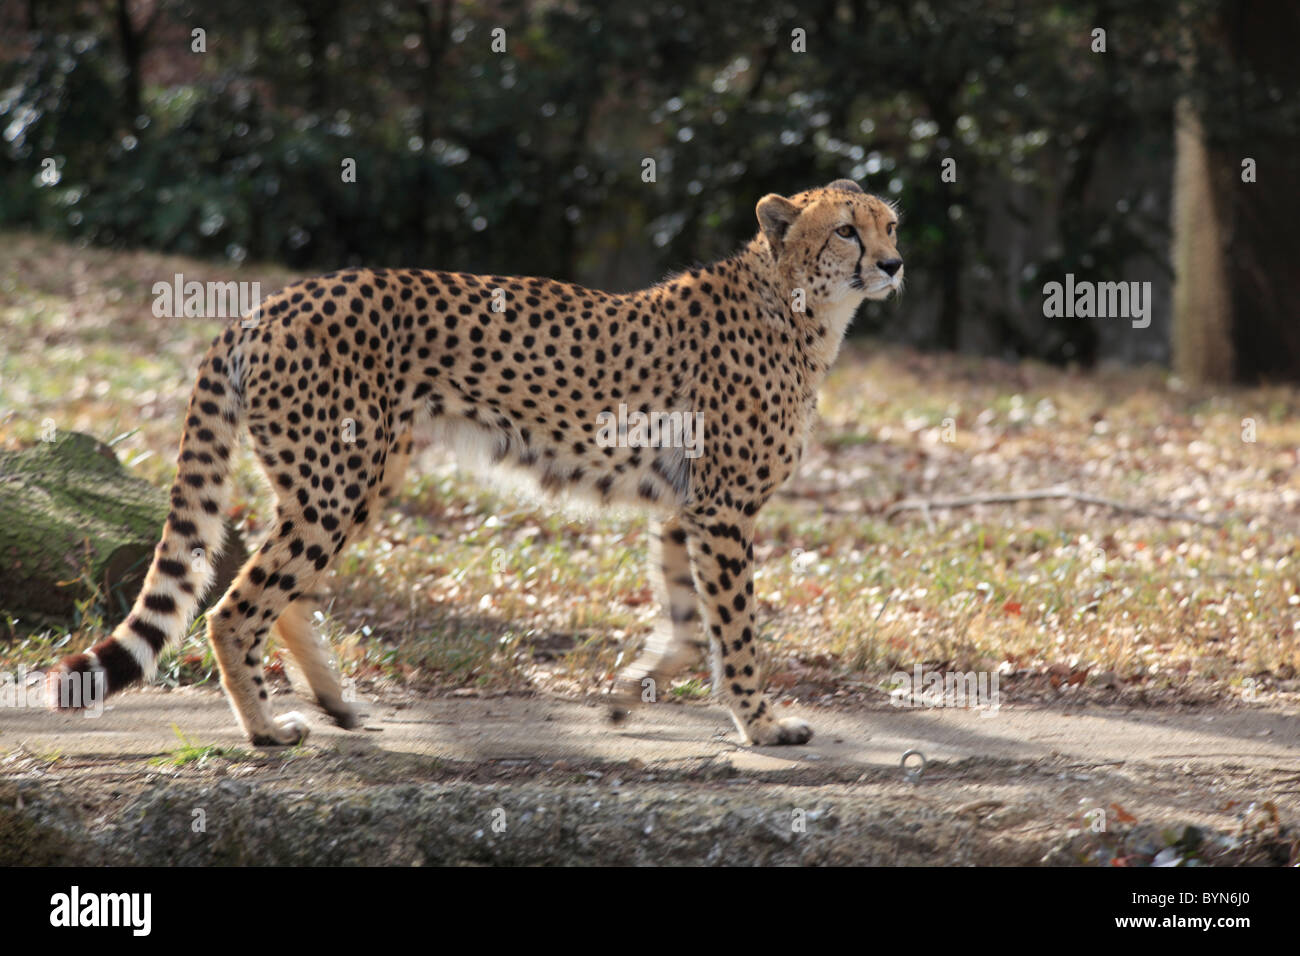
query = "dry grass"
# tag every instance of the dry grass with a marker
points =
(465, 586)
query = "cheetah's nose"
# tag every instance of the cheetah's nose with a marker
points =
(889, 266)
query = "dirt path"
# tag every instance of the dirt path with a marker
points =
(536, 780)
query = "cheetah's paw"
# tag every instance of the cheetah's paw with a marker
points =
(289, 729)
(788, 730)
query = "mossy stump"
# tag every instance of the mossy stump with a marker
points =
(76, 531)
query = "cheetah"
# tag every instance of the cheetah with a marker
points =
(331, 374)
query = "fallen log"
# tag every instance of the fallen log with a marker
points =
(77, 532)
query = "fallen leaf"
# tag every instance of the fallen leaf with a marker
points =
(638, 598)
(1122, 815)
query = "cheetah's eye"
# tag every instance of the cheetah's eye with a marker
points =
(845, 231)
(890, 228)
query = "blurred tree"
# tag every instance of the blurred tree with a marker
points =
(531, 153)
(1237, 241)
(1202, 327)
(132, 38)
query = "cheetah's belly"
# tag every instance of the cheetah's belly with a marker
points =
(653, 478)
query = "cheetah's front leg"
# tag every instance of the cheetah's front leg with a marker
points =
(721, 545)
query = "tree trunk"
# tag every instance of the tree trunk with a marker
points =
(1235, 239)
(132, 42)
(1202, 324)
(1262, 244)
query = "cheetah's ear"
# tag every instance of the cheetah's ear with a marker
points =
(775, 215)
(845, 186)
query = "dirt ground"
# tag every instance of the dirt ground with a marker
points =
(165, 777)
(1150, 646)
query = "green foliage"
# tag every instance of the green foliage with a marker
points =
(531, 159)
(193, 752)
(52, 102)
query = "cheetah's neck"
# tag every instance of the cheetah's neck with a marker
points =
(820, 327)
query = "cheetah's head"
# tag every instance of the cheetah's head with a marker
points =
(837, 242)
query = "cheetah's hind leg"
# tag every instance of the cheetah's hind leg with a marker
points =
(677, 639)
(295, 627)
(296, 630)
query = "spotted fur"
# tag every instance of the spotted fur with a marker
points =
(331, 374)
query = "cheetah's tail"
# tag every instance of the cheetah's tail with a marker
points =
(184, 560)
